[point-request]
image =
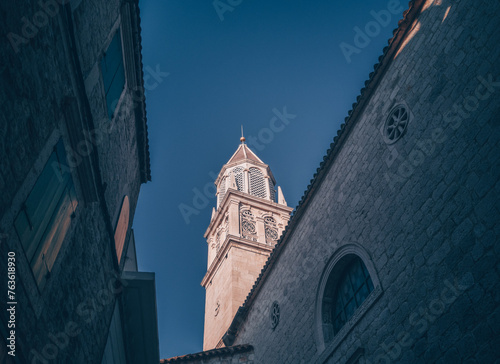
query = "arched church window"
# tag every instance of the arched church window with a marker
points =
(344, 295)
(271, 230)
(238, 176)
(257, 183)
(248, 224)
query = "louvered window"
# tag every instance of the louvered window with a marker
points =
(222, 190)
(257, 183)
(272, 191)
(238, 176)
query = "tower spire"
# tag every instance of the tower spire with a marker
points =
(242, 139)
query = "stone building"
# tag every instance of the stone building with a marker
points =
(251, 214)
(73, 155)
(392, 253)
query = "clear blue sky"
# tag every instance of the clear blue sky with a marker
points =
(224, 71)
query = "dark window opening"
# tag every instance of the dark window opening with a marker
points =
(113, 74)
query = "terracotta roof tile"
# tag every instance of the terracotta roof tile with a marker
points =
(209, 353)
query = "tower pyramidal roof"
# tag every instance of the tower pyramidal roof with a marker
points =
(243, 152)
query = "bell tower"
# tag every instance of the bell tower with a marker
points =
(249, 218)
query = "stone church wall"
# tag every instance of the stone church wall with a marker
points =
(424, 209)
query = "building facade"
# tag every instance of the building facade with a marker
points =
(73, 155)
(392, 253)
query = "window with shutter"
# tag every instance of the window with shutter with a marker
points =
(46, 215)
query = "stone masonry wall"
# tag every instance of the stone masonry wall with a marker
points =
(79, 297)
(425, 209)
(220, 289)
(118, 155)
(30, 96)
(229, 286)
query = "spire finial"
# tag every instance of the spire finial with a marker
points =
(242, 139)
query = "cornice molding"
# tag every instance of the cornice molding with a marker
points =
(257, 202)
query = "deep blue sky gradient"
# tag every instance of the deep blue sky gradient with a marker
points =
(262, 55)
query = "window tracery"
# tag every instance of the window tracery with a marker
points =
(271, 230)
(248, 225)
(345, 292)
